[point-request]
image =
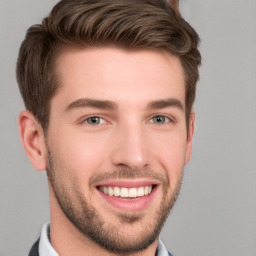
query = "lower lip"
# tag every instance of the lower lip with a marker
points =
(136, 204)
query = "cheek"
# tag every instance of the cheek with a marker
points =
(171, 154)
(80, 154)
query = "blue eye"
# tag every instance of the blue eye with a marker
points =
(94, 120)
(160, 120)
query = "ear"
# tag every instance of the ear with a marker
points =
(33, 141)
(190, 135)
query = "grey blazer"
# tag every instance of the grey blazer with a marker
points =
(34, 250)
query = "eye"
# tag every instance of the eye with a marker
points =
(160, 119)
(95, 120)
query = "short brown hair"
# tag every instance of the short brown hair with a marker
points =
(129, 24)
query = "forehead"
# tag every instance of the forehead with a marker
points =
(118, 74)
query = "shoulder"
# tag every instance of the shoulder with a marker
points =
(34, 250)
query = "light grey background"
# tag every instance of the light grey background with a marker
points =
(216, 212)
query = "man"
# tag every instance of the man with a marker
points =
(109, 88)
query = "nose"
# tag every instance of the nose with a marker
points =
(130, 148)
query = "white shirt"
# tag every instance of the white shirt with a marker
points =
(46, 249)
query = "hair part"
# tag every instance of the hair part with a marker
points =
(133, 24)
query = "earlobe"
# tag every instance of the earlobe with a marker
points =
(190, 135)
(32, 138)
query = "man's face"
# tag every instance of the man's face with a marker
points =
(117, 143)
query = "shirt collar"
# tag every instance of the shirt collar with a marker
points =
(46, 249)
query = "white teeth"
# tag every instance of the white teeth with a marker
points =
(116, 191)
(146, 191)
(126, 192)
(105, 190)
(141, 191)
(132, 192)
(110, 191)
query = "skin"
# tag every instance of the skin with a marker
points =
(128, 138)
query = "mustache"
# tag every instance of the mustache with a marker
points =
(128, 173)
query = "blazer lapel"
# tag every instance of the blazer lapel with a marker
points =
(34, 250)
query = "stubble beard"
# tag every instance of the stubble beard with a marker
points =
(110, 236)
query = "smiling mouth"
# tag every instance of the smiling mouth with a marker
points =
(124, 192)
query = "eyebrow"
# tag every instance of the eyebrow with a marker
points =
(159, 104)
(92, 103)
(110, 105)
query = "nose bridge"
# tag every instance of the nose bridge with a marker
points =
(131, 146)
